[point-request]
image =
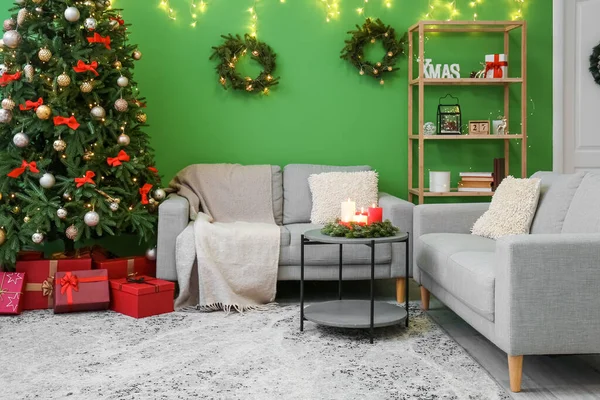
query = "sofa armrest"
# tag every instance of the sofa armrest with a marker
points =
(447, 218)
(546, 294)
(173, 217)
(400, 214)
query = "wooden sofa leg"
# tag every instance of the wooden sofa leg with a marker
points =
(400, 289)
(515, 372)
(424, 298)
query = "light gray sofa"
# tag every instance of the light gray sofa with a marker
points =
(528, 294)
(292, 206)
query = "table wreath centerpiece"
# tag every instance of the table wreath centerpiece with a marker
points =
(355, 230)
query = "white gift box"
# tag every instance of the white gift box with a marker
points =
(496, 66)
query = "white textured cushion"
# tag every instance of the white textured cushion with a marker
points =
(512, 209)
(330, 189)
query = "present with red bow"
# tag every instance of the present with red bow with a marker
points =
(496, 66)
(11, 292)
(141, 296)
(85, 290)
(39, 290)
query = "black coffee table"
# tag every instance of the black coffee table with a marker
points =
(351, 313)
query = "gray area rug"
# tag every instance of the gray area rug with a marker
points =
(256, 355)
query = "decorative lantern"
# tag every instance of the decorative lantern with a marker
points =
(449, 121)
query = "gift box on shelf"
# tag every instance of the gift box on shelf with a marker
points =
(39, 290)
(11, 292)
(496, 66)
(85, 290)
(123, 267)
(141, 297)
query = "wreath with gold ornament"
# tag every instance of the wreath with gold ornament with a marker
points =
(232, 50)
(369, 33)
(595, 64)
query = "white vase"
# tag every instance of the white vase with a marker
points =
(439, 181)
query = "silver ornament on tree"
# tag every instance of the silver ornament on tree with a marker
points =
(159, 194)
(37, 238)
(91, 218)
(123, 140)
(151, 254)
(62, 213)
(63, 80)
(86, 87)
(137, 55)
(21, 140)
(121, 105)
(22, 15)
(98, 112)
(114, 206)
(123, 81)
(3, 68)
(12, 39)
(47, 180)
(5, 116)
(72, 232)
(9, 24)
(8, 104)
(44, 55)
(90, 23)
(59, 145)
(72, 14)
(29, 72)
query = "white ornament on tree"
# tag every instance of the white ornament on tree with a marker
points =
(90, 23)
(37, 238)
(98, 112)
(91, 218)
(5, 116)
(72, 14)
(47, 180)
(9, 24)
(151, 254)
(123, 140)
(21, 140)
(62, 213)
(114, 206)
(123, 81)
(12, 39)
(3, 69)
(159, 194)
(59, 145)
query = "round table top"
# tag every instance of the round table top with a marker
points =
(315, 235)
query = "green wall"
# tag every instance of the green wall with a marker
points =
(322, 111)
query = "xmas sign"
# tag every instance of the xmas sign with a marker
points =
(444, 71)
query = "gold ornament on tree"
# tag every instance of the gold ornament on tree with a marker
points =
(137, 55)
(22, 16)
(29, 72)
(123, 140)
(63, 80)
(86, 87)
(141, 118)
(2, 236)
(44, 55)
(117, 64)
(59, 145)
(8, 104)
(43, 112)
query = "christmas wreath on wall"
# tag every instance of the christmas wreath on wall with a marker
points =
(230, 52)
(369, 33)
(595, 64)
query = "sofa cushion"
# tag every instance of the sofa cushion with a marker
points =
(556, 194)
(328, 254)
(277, 193)
(297, 202)
(463, 265)
(584, 212)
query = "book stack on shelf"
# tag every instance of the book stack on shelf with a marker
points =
(476, 182)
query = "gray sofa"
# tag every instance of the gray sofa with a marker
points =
(292, 206)
(528, 294)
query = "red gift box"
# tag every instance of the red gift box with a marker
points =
(11, 292)
(123, 267)
(39, 291)
(81, 291)
(141, 297)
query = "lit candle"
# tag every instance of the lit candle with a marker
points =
(361, 217)
(375, 214)
(348, 210)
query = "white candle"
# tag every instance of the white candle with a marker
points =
(348, 210)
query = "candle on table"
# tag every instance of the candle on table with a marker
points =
(361, 217)
(375, 214)
(348, 210)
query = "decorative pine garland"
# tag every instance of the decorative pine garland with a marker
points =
(230, 52)
(353, 230)
(595, 64)
(370, 32)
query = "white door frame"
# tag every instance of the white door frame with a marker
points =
(558, 85)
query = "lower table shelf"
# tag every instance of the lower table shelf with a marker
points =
(452, 193)
(354, 314)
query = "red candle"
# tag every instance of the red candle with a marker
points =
(375, 214)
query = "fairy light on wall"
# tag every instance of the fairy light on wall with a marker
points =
(196, 7)
(474, 5)
(166, 5)
(519, 13)
(331, 9)
(361, 10)
(253, 19)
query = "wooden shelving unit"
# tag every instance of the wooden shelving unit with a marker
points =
(418, 84)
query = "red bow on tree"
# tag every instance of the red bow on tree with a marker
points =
(105, 40)
(5, 79)
(71, 122)
(144, 190)
(86, 179)
(31, 104)
(119, 20)
(153, 169)
(83, 67)
(116, 161)
(15, 173)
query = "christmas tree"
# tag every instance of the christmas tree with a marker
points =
(74, 160)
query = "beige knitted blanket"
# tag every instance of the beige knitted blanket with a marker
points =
(233, 235)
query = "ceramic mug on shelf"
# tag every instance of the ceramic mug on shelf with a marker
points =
(439, 181)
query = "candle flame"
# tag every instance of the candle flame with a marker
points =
(374, 205)
(362, 210)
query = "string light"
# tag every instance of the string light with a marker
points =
(166, 4)
(474, 5)
(519, 13)
(361, 10)
(253, 19)
(331, 9)
(388, 3)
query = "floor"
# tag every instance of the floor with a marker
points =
(544, 377)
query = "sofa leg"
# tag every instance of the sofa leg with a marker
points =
(424, 298)
(515, 372)
(400, 289)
